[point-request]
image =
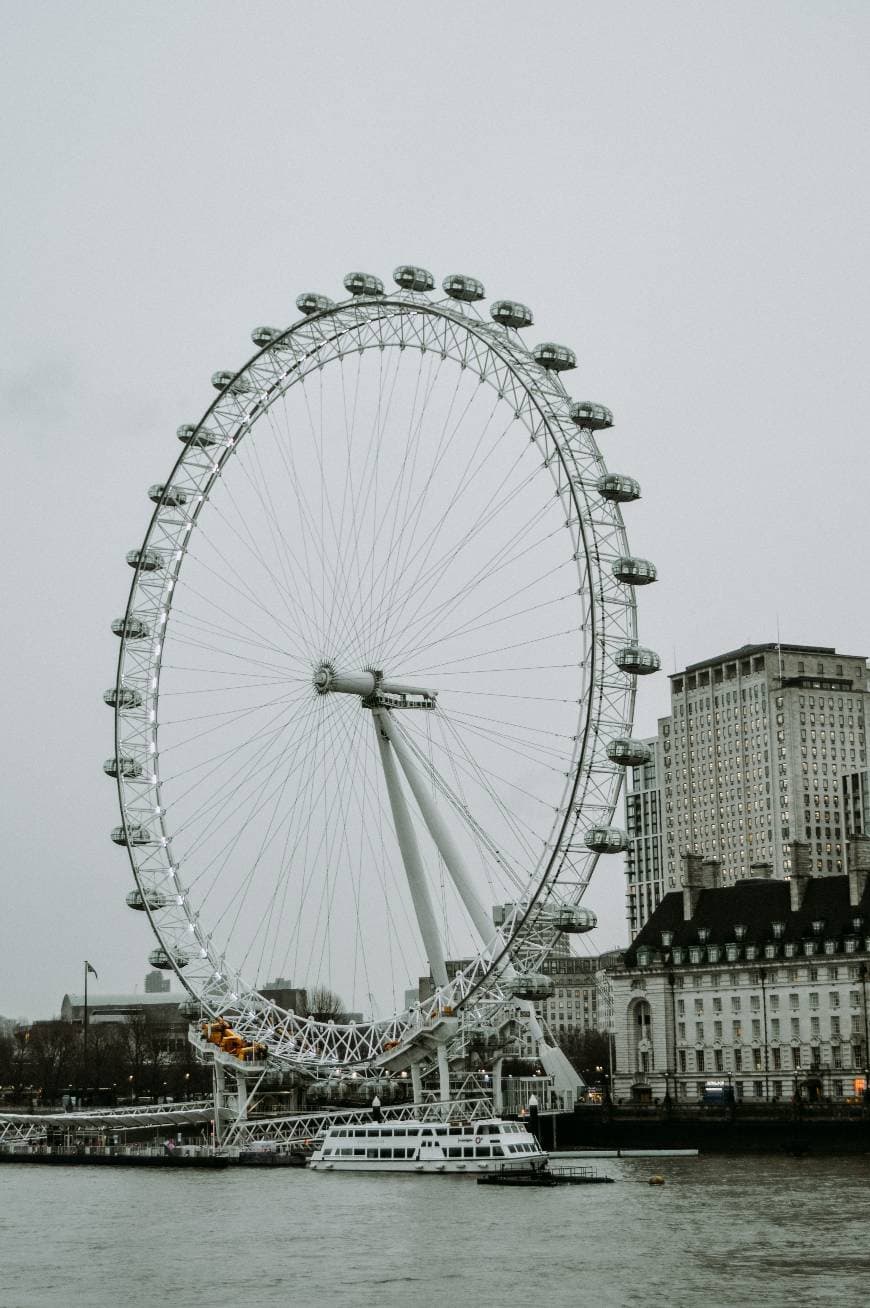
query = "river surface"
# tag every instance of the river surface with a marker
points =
(721, 1233)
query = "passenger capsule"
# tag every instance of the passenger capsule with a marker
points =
(138, 835)
(311, 302)
(593, 417)
(606, 840)
(533, 986)
(460, 287)
(634, 572)
(199, 437)
(574, 919)
(124, 765)
(145, 560)
(124, 697)
(131, 628)
(617, 488)
(152, 899)
(411, 278)
(170, 496)
(636, 660)
(628, 753)
(165, 962)
(231, 383)
(510, 313)
(363, 284)
(556, 358)
(263, 336)
(191, 1009)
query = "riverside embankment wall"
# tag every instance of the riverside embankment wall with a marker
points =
(709, 1130)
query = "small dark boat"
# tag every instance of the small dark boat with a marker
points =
(543, 1176)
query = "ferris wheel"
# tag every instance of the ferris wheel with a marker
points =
(376, 673)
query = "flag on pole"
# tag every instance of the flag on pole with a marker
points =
(88, 968)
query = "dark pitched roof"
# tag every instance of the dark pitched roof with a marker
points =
(755, 905)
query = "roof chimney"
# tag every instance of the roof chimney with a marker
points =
(801, 872)
(857, 867)
(760, 871)
(711, 870)
(693, 882)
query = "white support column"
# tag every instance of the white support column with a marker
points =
(416, 1083)
(219, 1105)
(411, 855)
(497, 1100)
(443, 1075)
(442, 836)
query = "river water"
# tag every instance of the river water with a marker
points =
(721, 1233)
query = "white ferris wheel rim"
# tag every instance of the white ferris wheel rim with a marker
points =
(497, 356)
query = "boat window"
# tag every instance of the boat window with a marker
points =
(497, 1151)
(468, 1151)
(359, 1153)
(427, 1130)
(454, 1152)
(371, 1153)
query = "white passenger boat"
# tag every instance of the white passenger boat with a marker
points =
(414, 1146)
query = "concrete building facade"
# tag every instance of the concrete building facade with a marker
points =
(754, 755)
(644, 856)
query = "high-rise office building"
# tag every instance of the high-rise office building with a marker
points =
(753, 756)
(644, 857)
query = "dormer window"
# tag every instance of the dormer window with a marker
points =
(739, 931)
(751, 952)
(851, 944)
(789, 949)
(732, 953)
(809, 948)
(667, 939)
(777, 928)
(644, 957)
(713, 953)
(770, 951)
(857, 923)
(695, 953)
(830, 946)
(679, 954)
(703, 933)
(818, 926)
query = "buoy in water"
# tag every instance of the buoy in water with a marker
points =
(657, 1179)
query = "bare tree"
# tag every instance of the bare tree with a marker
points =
(589, 1052)
(325, 1005)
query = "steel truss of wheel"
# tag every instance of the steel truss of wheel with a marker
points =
(563, 438)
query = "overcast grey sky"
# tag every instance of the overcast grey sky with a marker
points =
(678, 189)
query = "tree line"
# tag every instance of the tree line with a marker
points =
(115, 1062)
